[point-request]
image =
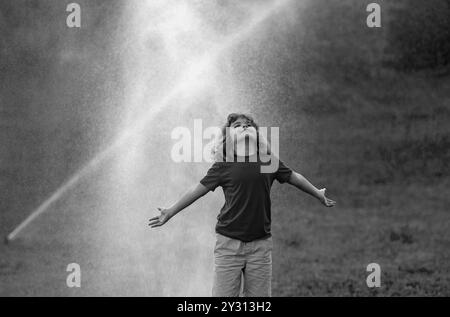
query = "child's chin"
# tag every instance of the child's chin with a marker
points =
(248, 134)
(242, 138)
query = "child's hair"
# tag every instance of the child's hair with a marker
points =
(220, 146)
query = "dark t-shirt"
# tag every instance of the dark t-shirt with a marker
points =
(246, 213)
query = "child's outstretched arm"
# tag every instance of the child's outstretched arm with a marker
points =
(303, 184)
(188, 198)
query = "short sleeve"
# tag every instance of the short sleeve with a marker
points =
(213, 177)
(283, 172)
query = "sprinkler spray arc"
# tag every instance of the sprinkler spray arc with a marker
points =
(194, 70)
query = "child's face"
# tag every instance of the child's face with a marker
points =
(241, 128)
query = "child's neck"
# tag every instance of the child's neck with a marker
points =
(243, 149)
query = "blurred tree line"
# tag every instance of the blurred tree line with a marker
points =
(415, 35)
(351, 87)
(419, 35)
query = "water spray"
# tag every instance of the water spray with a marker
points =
(194, 70)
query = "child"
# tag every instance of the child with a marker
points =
(243, 250)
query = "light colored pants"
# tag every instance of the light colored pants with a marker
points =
(242, 267)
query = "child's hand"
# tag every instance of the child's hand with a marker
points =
(158, 221)
(324, 200)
